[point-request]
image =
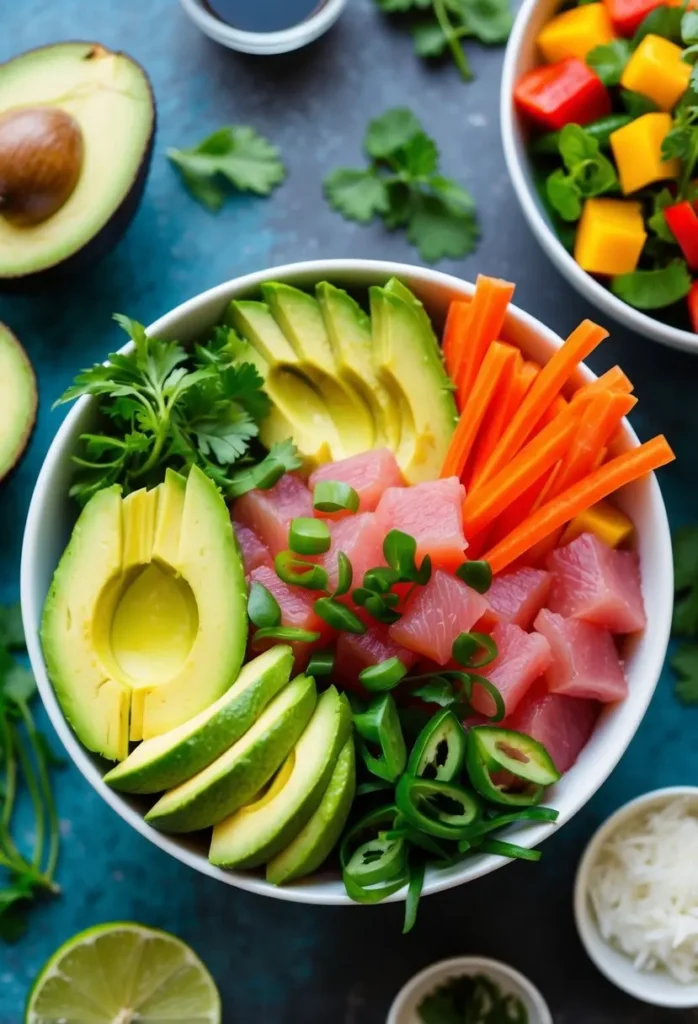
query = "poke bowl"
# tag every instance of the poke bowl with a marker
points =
(636, 660)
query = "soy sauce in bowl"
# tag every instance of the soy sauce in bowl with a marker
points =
(263, 15)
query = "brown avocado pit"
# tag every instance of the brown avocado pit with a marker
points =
(41, 156)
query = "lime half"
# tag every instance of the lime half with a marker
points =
(124, 974)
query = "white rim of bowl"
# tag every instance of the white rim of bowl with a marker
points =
(459, 965)
(586, 925)
(590, 288)
(535, 833)
(264, 43)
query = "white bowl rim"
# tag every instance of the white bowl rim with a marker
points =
(588, 286)
(430, 976)
(264, 43)
(678, 996)
(535, 833)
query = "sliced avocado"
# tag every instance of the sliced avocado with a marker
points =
(349, 330)
(401, 291)
(170, 759)
(418, 383)
(315, 842)
(76, 133)
(260, 830)
(18, 400)
(239, 774)
(299, 317)
(162, 638)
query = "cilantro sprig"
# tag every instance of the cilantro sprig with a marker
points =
(402, 185)
(236, 156)
(471, 999)
(163, 407)
(587, 173)
(685, 620)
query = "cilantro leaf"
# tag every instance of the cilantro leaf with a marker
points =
(589, 173)
(662, 21)
(685, 663)
(653, 289)
(564, 195)
(489, 21)
(689, 27)
(357, 195)
(429, 39)
(419, 156)
(390, 132)
(657, 221)
(402, 6)
(437, 232)
(237, 156)
(635, 104)
(282, 458)
(609, 60)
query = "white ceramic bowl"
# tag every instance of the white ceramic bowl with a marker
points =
(52, 515)
(264, 43)
(511, 982)
(657, 988)
(521, 55)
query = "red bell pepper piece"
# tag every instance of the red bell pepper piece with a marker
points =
(683, 223)
(558, 94)
(628, 15)
(692, 300)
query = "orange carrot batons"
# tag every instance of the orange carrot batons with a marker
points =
(488, 310)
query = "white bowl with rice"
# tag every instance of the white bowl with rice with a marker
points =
(636, 897)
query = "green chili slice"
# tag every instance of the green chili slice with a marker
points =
(298, 573)
(508, 850)
(335, 496)
(380, 725)
(439, 750)
(514, 752)
(345, 575)
(384, 676)
(372, 894)
(321, 664)
(362, 834)
(377, 860)
(441, 809)
(527, 814)
(290, 633)
(400, 551)
(467, 645)
(262, 607)
(338, 616)
(308, 536)
(500, 708)
(477, 575)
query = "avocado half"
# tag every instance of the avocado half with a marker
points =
(77, 123)
(18, 400)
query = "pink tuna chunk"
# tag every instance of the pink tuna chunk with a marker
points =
(369, 473)
(521, 659)
(269, 513)
(585, 659)
(593, 582)
(518, 596)
(436, 614)
(562, 724)
(296, 610)
(355, 653)
(254, 553)
(361, 539)
(432, 513)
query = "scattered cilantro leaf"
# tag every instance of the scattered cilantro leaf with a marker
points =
(689, 27)
(357, 195)
(662, 21)
(11, 628)
(429, 39)
(386, 134)
(437, 233)
(609, 60)
(588, 173)
(657, 221)
(471, 999)
(236, 156)
(635, 104)
(653, 289)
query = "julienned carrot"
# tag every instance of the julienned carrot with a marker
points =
(488, 310)
(542, 392)
(494, 425)
(622, 470)
(497, 358)
(483, 505)
(598, 424)
(612, 380)
(497, 415)
(455, 333)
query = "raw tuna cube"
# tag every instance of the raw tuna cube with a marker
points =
(361, 539)
(562, 724)
(254, 553)
(521, 659)
(593, 582)
(369, 473)
(436, 614)
(355, 653)
(432, 513)
(269, 513)
(585, 659)
(518, 596)
(296, 610)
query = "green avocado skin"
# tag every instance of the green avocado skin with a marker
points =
(314, 843)
(194, 752)
(246, 775)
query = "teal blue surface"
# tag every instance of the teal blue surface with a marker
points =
(279, 962)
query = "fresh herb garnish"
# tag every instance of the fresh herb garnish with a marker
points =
(236, 156)
(402, 185)
(589, 173)
(262, 607)
(685, 619)
(653, 289)
(474, 999)
(609, 60)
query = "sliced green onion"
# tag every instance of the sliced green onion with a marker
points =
(374, 786)
(321, 664)
(290, 633)
(378, 606)
(466, 646)
(262, 607)
(374, 893)
(380, 579)
(414, 891)
(298, 573)
(338, 616)
(345, 575)
(335, 496)
(308, 536)
(503, 849)
(383, 676)
(516, 817)
(500, 708)
(477, 575)
(380, 725)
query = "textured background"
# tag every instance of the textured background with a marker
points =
(277, 962)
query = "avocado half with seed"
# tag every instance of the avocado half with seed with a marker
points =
(18, 400)
(77, 123)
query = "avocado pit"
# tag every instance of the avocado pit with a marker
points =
(41, 158)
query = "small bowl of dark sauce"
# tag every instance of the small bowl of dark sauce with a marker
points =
(263, 26)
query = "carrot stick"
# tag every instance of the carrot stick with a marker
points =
(494, 425)
(544, 389)
(497, 358)
(496, 418)
(622, 470)
(488, 310)
(455, 333)
(482, 506)
(599, 423)
(612, 380)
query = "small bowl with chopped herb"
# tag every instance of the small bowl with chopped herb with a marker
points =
(599, 114)
(636, 897)
(469, 988)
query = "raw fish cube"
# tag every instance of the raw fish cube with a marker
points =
(585, 659)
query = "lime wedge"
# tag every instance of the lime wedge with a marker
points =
(123, 974)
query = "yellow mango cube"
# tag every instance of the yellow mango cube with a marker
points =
(637, 151)
(574, 33)
(605, 521)
(656, 71)
(610, 236)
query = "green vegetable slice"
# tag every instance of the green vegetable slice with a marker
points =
(441, 809)
(377, 860)
(335, 496)
(439, 750)
(262, 607)
(508, 750)
(298, 573)
(321, 664)
(338, 616)
(345, 575)
(467, 645)
(380, 725)
(384, 676)
(290, 633)
(476, 574)
(307, 536)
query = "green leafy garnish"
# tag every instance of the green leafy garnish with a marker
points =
(662, 21)
(653, 289)
(685, 619)
(471, 999)
(262, 607)
(636, 104)
(685, 664)
(589, 173)
(609, 60)
(236, 156)
(402, 185)
(657, 221)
